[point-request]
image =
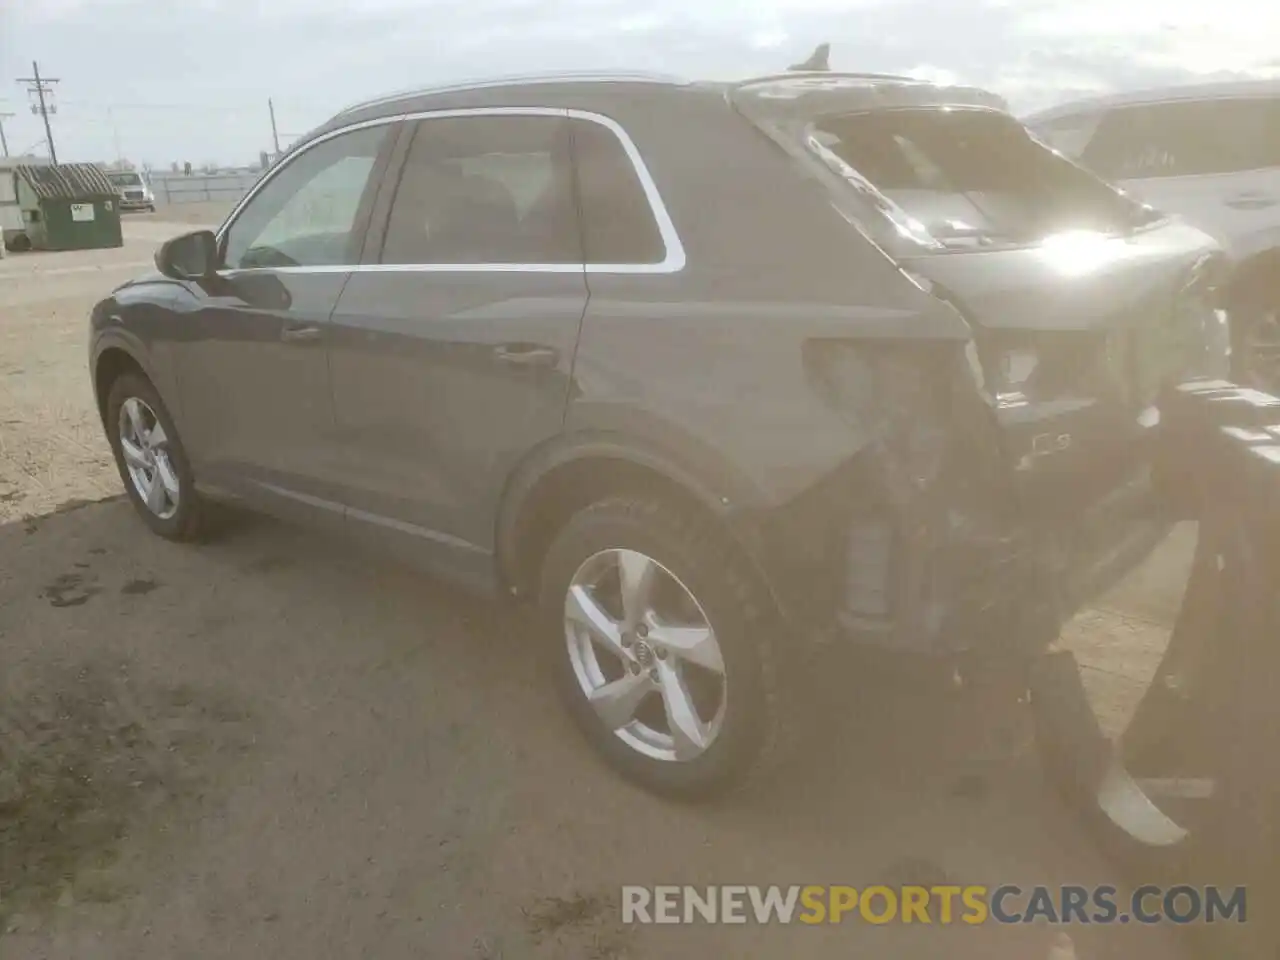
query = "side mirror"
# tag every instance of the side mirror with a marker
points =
(191, 256)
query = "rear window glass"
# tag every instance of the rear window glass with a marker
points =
(972, 178)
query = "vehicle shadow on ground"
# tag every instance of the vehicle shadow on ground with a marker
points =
(389, 774)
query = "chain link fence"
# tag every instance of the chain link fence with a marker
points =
(201, 188)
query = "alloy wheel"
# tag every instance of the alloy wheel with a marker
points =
(145, 448)
(645, 655)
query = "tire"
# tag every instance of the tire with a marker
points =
(1256, 334)
(693, 561)
(185, 520)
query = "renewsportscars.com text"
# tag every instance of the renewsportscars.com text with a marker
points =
(972, 905)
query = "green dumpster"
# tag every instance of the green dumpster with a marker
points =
(71, 206)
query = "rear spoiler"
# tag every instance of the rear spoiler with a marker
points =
(817, 93)
(811, 88)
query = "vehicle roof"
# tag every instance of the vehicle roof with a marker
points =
(1196, 91)
(573, 78)
(568, 89)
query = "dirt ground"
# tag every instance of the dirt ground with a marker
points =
(271, 746)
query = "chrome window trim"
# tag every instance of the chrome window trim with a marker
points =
(673, 261)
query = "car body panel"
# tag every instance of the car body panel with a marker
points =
(1239, 210)
(258, 412)
(135, 320)
(1079, 338)
(432, 412)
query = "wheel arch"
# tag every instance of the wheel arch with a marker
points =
(110, 362)
(570, 473)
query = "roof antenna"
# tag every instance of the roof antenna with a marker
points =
(818, 61)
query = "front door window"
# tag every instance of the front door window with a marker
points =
(308, 214)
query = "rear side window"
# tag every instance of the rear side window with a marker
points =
(485, 190)
(618, 224)
(972, 177)
(1192, 138)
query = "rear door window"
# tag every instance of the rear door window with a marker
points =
(486, 189)
(1184, 139)
(971, 177)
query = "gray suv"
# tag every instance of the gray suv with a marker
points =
(715, 376)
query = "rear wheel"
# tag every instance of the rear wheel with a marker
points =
(1255, 326)
(1260, 343)
(660, 646)
(152, 462)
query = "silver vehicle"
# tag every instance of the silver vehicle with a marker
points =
(135, 191)
(1209, 153)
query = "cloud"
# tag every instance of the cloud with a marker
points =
(190, 81)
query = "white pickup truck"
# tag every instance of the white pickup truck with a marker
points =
(135, 192)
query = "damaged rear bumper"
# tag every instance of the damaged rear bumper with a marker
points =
(928, 542)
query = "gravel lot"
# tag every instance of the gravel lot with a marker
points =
(271, 746)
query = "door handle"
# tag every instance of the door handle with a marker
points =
(526, 355)
(301, 334)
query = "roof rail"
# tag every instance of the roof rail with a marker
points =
(516, 80)
(851, 75)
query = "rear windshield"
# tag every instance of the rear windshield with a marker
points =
(969, 178)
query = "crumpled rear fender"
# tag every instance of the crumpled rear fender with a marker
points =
(917, 540)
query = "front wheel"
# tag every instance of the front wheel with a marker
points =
(661, 648)
(152, 462)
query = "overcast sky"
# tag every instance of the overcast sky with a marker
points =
(190, 80)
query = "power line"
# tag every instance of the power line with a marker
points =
(116, 105)
(208, 107)
(38, 86)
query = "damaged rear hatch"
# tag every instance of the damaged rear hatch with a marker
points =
(1083, 302)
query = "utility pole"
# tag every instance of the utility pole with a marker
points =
(40, 87)
(4, 143)
(275, 135)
